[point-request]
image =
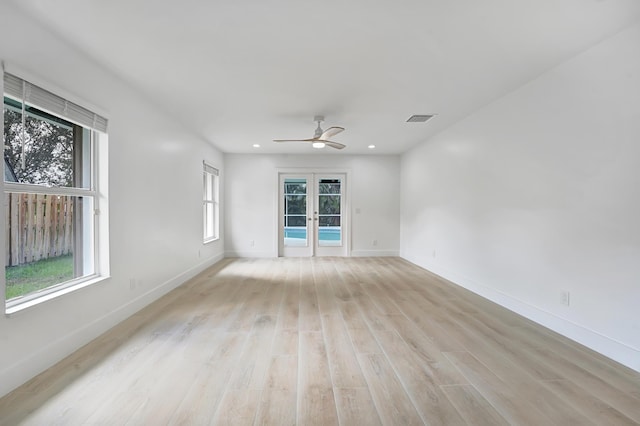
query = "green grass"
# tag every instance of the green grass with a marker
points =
(25, 279)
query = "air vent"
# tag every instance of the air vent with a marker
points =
(420, 118)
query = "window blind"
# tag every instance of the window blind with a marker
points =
(209, 169)
(40, 98)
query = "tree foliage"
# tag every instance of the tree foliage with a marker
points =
(48, 150)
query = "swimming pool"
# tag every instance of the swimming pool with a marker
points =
(326, 233)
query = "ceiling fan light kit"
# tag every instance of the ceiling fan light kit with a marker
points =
(321, 137)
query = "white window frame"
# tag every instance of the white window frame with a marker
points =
(99, 229)
(210, 203)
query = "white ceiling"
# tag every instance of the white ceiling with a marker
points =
(249, 71)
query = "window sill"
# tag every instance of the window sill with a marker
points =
(211, 240)
(13, 307)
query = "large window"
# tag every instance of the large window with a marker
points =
(210, 203)
(50, 190)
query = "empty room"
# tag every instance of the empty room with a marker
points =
(352, 213)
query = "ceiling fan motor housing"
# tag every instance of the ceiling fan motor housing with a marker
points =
(319, 119)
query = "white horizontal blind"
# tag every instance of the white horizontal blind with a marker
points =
(210, 169)
(43, 99)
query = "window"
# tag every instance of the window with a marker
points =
(51, 192)
(210, 203)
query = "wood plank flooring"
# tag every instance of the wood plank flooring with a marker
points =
(350, 341)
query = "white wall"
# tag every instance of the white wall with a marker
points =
(155, 189)
(539, 193)
(251, 201)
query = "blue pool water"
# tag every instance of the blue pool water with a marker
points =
(327, 233)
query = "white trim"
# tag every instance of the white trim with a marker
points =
(211, 175)
(343, 248)
(313, 171)
(249, 254)
(100, 183)
(375, 253)
(99, 227)
(14, 306)
(608, 347)
(27, 188)
(3, 218)
(276, 203)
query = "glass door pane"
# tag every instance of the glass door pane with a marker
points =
(312, 215)
(329, 212)
(296, 232)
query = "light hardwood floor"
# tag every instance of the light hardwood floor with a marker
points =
(351, 341)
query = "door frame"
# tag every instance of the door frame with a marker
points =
(346, 214)
(297, 251)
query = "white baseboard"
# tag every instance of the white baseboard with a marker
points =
(354, 253)
(374, 253)
(47, 356)
(604, 345)
(249, 253)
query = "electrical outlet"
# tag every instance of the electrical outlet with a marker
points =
(253, 243)
(566, 298)
(132, 284)
(433, 254)
(374, 242)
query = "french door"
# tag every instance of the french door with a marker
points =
(312, 215)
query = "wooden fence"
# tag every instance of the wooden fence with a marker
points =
(38, 227)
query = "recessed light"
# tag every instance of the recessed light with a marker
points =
(371, 146)
(256, 145)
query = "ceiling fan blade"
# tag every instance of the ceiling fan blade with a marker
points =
(331, 131)
(294, 140)
(335, 145)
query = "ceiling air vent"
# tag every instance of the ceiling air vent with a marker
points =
(420, 118)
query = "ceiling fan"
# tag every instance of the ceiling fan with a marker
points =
(321, 137)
